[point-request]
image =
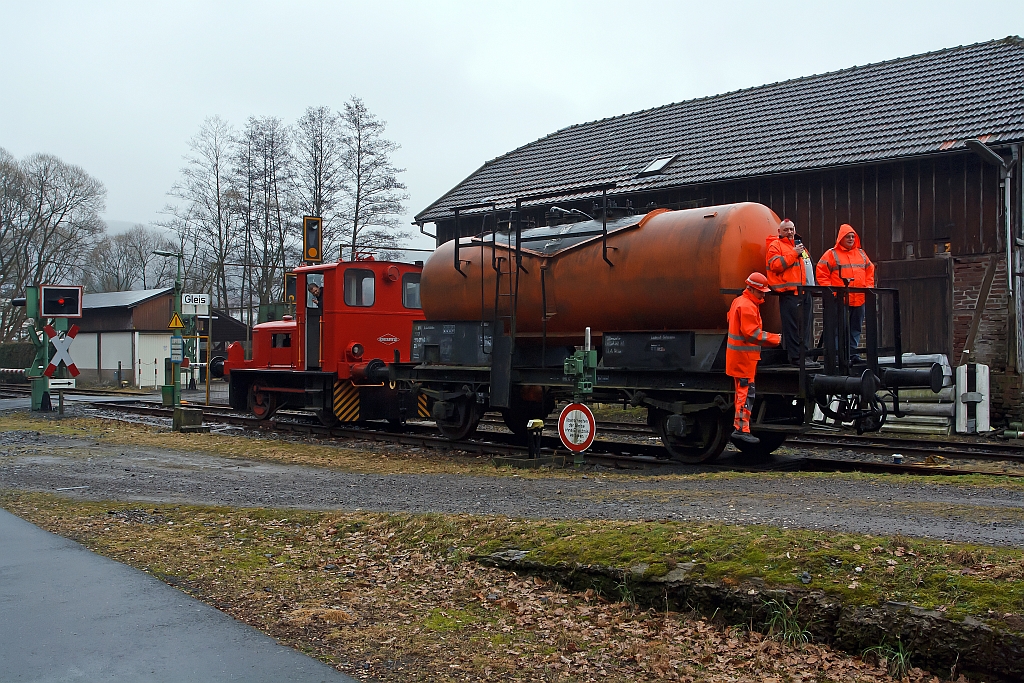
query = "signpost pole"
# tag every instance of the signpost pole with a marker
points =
(209, 347)
(176, 367)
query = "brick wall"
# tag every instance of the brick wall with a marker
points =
(990, 342)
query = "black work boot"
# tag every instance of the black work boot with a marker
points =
(739, 437)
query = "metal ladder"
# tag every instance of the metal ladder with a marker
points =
(506, 304)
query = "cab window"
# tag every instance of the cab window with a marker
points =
(411, 290)
(358, 287)
(281, 341)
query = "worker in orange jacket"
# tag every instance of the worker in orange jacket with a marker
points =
(789, 267)
(847, 265)
(743, 350)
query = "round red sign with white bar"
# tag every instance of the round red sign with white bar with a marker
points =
(577, 427)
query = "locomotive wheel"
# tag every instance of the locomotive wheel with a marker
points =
(769, 442)
(262, 404)
(327, 418)
(462, 423)
(704, 443)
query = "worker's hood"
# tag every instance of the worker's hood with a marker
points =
(844, 230)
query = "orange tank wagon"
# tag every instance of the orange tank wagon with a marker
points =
(632, 309)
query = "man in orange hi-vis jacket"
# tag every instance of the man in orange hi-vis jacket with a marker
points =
(846, 265)
(789, 268)
(743, 350)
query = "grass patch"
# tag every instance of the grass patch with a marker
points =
(392, 597)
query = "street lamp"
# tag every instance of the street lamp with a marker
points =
(175, 369)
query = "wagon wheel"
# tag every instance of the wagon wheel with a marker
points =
(463, 421)
(769, 442)
(705, 442)
(262, 404)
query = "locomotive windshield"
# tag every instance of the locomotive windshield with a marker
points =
(358, 287)
(411, 290)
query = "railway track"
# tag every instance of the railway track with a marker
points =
(620, 454)
(867, 443)
(20, 390)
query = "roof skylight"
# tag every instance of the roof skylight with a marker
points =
(656, 166)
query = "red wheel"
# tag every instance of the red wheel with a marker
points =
(262, 404)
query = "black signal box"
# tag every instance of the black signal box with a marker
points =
(60, 302)
(312, 239)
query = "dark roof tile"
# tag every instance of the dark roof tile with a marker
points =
(909, 106)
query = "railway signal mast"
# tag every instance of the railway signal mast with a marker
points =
(59, 303)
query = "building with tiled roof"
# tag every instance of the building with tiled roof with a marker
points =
(922, 155)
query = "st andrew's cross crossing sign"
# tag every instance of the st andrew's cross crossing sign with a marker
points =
(61, 343)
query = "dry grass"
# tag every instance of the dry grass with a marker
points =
(393, 598)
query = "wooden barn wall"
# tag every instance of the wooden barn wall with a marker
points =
(920, 204)
(901, 209)
(153, 315)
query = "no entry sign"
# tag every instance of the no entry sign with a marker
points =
(577, 427)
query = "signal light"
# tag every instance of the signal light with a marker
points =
(61, 302)
(289, 288)
(312, 239)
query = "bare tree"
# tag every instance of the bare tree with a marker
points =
(121, 262)
(154, 271)
(319, 170)
(110, 266)
(49, 222)
(264, 176)
(373, 194)
(204, 222)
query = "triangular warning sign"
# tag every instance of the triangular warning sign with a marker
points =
(175, 323)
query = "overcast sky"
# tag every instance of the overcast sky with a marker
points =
(119, 87)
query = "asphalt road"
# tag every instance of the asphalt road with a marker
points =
(882, 505)
(69, 614)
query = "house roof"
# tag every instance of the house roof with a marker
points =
(911, 106)
(122, 299)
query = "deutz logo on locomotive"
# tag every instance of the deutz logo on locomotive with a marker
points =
(388, 339)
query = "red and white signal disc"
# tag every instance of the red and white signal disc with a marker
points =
(577, 427)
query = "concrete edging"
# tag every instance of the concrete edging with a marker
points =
(937, 643)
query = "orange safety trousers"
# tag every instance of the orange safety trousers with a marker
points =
(744, 403)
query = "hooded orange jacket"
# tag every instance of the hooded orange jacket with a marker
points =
(853, 264)
(743, 349)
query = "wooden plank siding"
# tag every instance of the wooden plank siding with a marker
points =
(918, 203)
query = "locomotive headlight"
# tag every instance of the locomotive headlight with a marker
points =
(355, 350)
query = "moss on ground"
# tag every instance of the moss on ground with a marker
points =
(400, 590)
(955, 578)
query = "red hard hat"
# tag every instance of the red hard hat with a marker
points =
(759, 282)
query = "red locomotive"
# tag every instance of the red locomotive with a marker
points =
(351, 319)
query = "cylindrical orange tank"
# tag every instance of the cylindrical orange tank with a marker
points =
(668, 273)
